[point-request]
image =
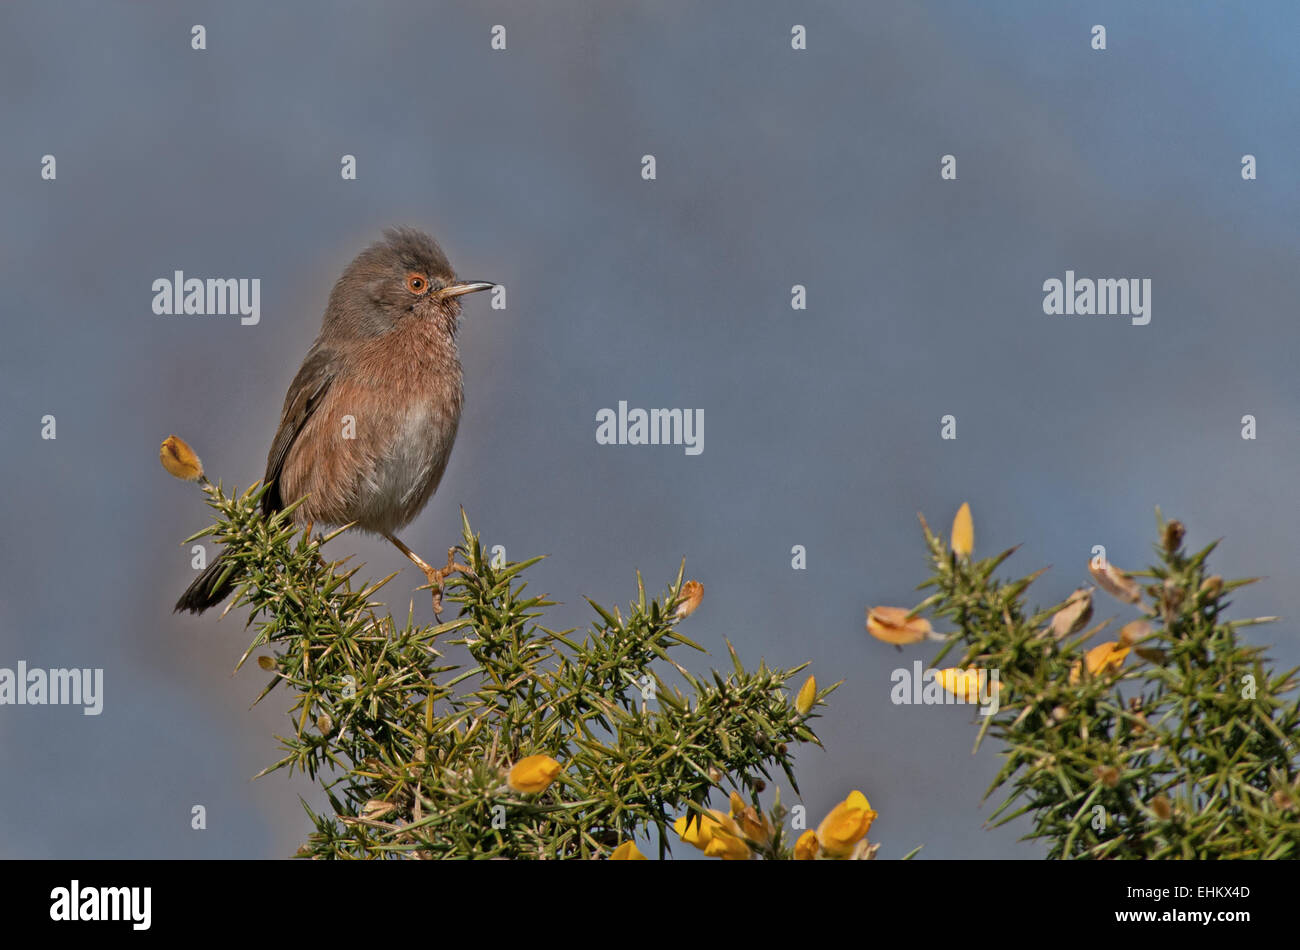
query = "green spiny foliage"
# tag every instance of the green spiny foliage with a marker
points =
(414, 752)
(1188, 752)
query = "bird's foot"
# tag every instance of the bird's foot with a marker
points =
(438, 576)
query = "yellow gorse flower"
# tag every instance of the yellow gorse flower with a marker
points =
(753, 826)
(965, 684)
(714, 829)
(691, 595)
(179, 459)
(807, 695)
(892, 625)
(735, 803)
(1103, 658)
(963, 532)
(806, 848)
(727, 846)
(533, 774)
(846, 825)
(697, 829)
(627, 851)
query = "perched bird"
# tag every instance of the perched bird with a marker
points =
(370, 419)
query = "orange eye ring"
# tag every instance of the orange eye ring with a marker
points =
(417, 283)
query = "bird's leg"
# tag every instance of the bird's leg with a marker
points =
(436, 576)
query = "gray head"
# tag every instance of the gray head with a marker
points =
(406, 275)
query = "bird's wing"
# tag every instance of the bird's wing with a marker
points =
(311, 383)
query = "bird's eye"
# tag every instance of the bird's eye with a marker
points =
(417, 283)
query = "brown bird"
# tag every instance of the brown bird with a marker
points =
(369, 421)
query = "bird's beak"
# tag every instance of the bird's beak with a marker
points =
(465, 287)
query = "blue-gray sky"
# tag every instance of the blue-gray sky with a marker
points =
(774, 168)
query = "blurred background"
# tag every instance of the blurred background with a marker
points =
(774, 168)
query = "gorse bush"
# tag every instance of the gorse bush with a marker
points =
(548, 744)
(1171, 740)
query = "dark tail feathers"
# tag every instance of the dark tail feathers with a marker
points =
(206, 592)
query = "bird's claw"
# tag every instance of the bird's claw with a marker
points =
(438, 576)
